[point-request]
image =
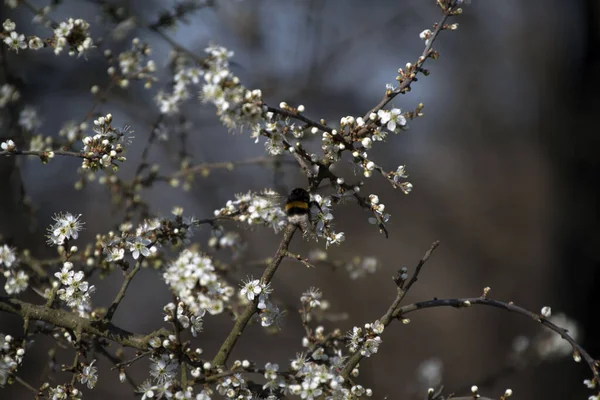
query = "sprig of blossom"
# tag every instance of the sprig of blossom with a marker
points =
(184, 78)
(66, 226)
(64, 392)
(318, 375)
(29, 119)
(8, 256)
(227, 240)
(8, 94)
(236, 105)
(234, 387)
(184, 317)
(8, 145)
(17, 281)
(256, 290)
(133, 65)
(367, 340)
(255, 209)
(73, 33)
(104, 148)
(163, 369)
(75, 291)
(11, 357)
(89, 375)
(193, 280)
(324, 221)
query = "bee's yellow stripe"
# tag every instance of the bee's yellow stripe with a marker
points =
(296, 204)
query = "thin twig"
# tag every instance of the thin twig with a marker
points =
(128, 278)
(386, 319)
(25, 384)
(467, 302)
(132, 360)
(115, 361)
(228, 165)
(45, 154)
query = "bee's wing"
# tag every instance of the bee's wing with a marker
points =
(277, 199)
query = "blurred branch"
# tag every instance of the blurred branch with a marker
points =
(228, 165)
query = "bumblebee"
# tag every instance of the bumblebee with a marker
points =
(297, 208)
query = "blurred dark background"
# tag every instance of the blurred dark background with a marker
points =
(504, 166)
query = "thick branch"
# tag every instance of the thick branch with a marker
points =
(68, 320)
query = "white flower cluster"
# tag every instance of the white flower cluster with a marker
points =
(324, 218)
(8, 256)
(360, 267)
(8, 94)
(395, 176)
(143, 242)
(227, 240)
(71, 130)
(29, 119)
(17, 280)
(167, 390)
(41, 143)
(163, 368)
(234, 387)
(313, 305)
(318, 377)
(89, 375)
(104, 148)
(132, 66)
(377, 209)
(268, 312)
(73, 34)
(193, 280)
(367, 340)
(16, 41)
(311, 298)
(184, 78)
(11, 356)
(64, 392)
(8, 145)
(75, 291)
(371, 131)
(66, 226)
(184, 317)
(236, 106)
(274, 129)
(255, 209)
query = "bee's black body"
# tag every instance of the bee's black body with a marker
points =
(297, 208)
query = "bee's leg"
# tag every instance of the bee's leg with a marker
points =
(309, 231)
